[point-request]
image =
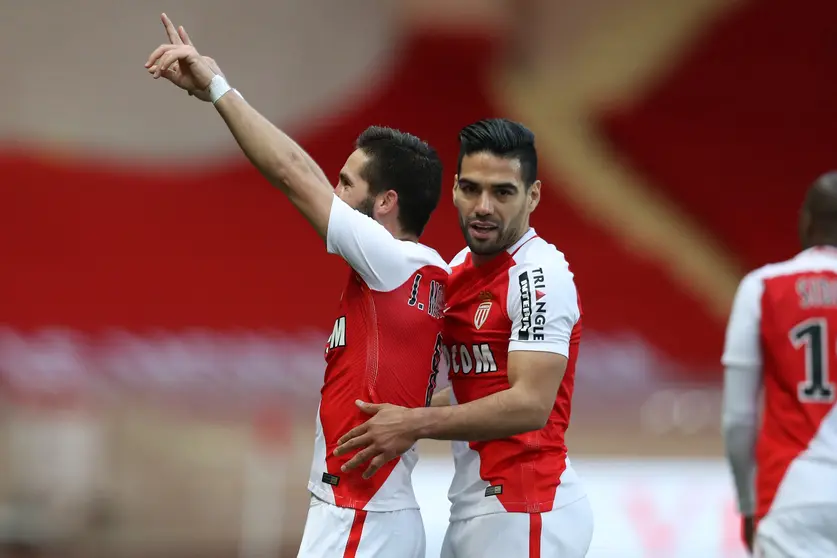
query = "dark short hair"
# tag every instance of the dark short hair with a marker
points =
(402, 162)
(503, 138)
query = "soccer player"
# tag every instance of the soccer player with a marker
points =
(780, 340)
(386, 342)
(512, 331)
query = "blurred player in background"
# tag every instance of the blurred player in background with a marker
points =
(781, 340)
(512, 331)
(386, 342)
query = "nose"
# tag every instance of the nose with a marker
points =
(484, 205)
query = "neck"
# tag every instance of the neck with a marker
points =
(398, 233)
(482, 259)
(822, 240)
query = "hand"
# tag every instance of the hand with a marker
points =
(748, 530)
(181, 64)
(384, 437)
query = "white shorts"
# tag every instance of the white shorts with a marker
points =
(335, 532)
(565, 533)
(806, 532)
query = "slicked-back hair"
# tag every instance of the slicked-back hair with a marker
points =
(404, 163)
(504, 138)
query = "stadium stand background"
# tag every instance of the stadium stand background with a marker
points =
(164, 311)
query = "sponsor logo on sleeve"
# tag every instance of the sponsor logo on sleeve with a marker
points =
(525, 306)
(540, 304)
(532, 308)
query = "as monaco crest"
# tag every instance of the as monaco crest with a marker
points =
(482, 313)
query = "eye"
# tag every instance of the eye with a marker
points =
(504, 193)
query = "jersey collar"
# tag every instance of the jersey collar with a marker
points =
(820, 250)
(529, 235)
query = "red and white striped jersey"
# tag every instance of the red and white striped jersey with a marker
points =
(783, 326)
(522, 300)
(385, 347)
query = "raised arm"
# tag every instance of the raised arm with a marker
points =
(278, 157)
(280, 160)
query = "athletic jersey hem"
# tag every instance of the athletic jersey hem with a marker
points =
(351, 503)
(525, 508)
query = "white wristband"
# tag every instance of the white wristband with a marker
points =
(218, 87)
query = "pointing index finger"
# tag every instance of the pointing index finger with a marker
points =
(174, 38)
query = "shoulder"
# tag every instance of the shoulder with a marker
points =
(422, 256)
(753, 283)
(540, 277)
(811, 260)
(537, 257)
(459, 258)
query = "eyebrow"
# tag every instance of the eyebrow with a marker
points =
(495, 186)
(345, 178)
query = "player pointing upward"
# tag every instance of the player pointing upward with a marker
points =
(782, 340)
(386, 340)
(512, 332)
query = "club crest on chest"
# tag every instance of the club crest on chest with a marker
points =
(483, 309)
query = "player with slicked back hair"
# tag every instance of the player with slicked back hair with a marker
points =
(386, 343)
(781, 343)
(512, 332)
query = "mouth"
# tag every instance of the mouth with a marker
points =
(481, 230)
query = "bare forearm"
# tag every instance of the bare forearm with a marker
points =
(441, 398)
(275, 154)
(499, 415)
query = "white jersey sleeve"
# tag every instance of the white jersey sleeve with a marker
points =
(742, 360)
(742, 385)
(542, 303)
(383, 261)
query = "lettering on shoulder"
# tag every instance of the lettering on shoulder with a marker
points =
(338, 334)
(532, 312)
(435, 297)
(816, 292)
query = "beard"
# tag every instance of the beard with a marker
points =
(367, 206)
(503, 237)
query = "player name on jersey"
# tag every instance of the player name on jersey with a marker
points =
(816, 292)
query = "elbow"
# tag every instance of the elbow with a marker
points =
(531, 408)
(732, 423)
(739, 435)
(537, 414)
(288, 168)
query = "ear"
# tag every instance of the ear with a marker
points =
(387, 202)
(455, 186)
(534, 195)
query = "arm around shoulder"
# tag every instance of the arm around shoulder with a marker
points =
(543, 309)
